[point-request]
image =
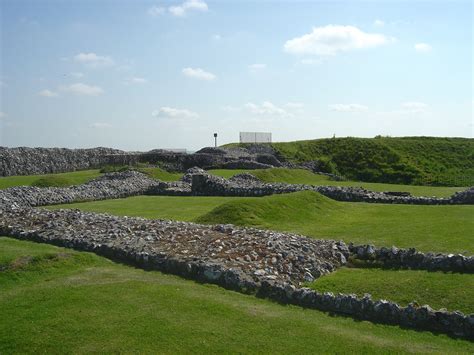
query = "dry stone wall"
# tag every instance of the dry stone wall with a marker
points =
(32, 161)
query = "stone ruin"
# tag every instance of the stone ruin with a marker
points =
(269, 264)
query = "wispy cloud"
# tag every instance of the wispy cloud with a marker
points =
(2, 114)
(181, 10)
(348, 108)
(414, 107)
(379, 23)
(48, 93)
(93, 60)
(100, 125)
(265, 108)
(156, 11)
(137, 80)
(332, 39)
(423, 47)
(83, 89)
(257, 67)
(77, 75)
(188, 6)
(198, 73)
(174, 113)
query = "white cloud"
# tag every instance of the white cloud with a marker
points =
(311, 61)
(174, 113)
(294, 105)
(187, 6)
(423, 47)
(100, 125)
(76, 75)
(156, 11)
(348, 108)
(83, 89)
(379, 23)
(48, 93)
(414, 107)
(257, 66)
(331, 39)
(198, 73)
(93, 60)
(229, 108)
(216, 37)
(266, 108)
(137, 80)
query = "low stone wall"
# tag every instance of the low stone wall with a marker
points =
(32, 161)
(271, 265)
(413, 259)
(204, 184)
(107, 186)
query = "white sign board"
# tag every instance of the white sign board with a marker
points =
(255, 137)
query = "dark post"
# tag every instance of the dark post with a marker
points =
(215, 140)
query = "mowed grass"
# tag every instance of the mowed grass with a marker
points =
(153, 207)
(438, 289)
(73, 178)
(81, 303)
(160, 174)
(428, 228)
(302, 176)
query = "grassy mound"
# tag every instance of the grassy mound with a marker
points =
(86, 304)
(52, 181)
(429, 228)
(407, 160)
(271, 211)
(73, 178)
(438, 289)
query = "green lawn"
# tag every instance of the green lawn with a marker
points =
(437, 289)
(161, 174)
(301, 176)
(154, 207)
(74, 178)
(428, 228)
(66, 301)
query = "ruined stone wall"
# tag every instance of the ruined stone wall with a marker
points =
(32, 161)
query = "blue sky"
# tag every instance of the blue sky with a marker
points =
(138, 75)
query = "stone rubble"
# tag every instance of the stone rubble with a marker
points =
(256, 254)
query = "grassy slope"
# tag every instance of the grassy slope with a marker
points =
(301, 176)
(439, 290)
(84, 303)
(413, 160)
(75, 178)
(443, 228)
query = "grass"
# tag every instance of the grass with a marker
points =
(437, 289)
(161, 174)
(407, 160)
(154, 207)
(72, 178)
(439, 228)
(85, 303)
(302, 176)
